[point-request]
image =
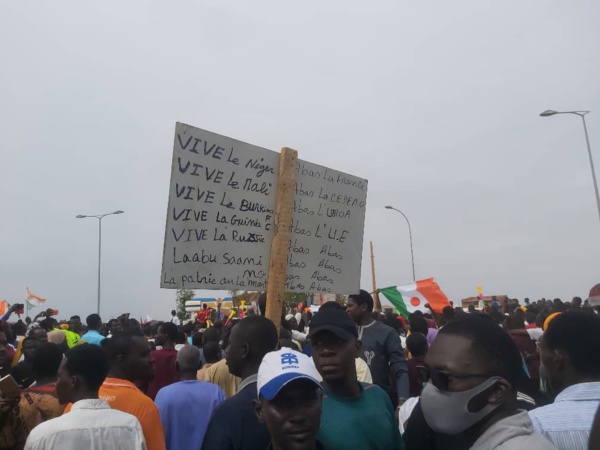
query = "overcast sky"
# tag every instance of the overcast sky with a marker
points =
(435, 103)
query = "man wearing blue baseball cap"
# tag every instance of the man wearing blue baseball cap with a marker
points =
(289, 400)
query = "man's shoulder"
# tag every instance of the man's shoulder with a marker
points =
(548, 410)
(380, 325)
(93, 335)
(243, 397)
(564, 415)
(513, 432)
(547, 414)
(220, 367)
(229, 408)
(369, 392)
(72, 422)
(372, 390)
(205, 386)
(20, 366)
(190, 386)
(92, 332)
(113, 389)
(533, 441)
(164, 352)
(108, 418)
(382, 328)
(45, 429)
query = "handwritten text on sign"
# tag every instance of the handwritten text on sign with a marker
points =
(221, 215)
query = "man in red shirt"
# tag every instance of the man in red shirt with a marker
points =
(203, 314)
(165, 359)
(530, 317)
(417, 346)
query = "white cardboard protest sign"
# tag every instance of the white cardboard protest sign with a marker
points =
(221, 211)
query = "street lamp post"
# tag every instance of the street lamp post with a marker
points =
(587, 140)
(412, 255)
(99, 217)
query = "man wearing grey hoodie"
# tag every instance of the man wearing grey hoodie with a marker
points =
(474, 371)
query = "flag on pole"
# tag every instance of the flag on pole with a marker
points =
(32, 299)
(412, 297)
(480, 303)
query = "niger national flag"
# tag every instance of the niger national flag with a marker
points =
(412, 297)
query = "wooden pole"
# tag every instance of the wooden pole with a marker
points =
(376, 302)
(281, 238)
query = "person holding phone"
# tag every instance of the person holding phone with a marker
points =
(16, 308)
(13, 432)
(12, 427)
(23, 372)
(39, 402)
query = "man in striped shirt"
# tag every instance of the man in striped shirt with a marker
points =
(570, 352)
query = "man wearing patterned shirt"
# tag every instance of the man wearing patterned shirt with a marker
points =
(570, 352)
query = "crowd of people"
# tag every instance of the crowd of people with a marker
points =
(505, 376)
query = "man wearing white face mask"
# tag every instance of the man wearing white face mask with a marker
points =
(474, 369)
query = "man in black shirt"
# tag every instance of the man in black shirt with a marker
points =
(23, 372)
(234, 425)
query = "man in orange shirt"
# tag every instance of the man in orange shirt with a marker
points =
(130, 361)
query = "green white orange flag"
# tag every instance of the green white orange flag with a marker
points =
(412, 297)
(32, 299)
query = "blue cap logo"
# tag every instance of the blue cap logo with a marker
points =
(289, 358)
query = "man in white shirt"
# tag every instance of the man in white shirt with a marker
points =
(174, 319)
(90, 424)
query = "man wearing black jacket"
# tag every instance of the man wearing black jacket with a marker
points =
(381, 348)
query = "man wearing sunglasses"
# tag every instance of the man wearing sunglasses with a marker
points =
(474, 369)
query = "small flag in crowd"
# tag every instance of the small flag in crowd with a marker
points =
(479, 292)
(412, 297)
(481, 303)
(594, 298)
(32, 299)
(4, 306)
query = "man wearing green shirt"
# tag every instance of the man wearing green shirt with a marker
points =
(355, 415)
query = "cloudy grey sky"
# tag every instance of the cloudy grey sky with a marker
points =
(435, 103)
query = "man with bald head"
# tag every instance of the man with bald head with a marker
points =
(186, 406)
(40, 334)
(234, 425)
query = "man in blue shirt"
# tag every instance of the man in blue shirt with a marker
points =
(570, 349)
(94, 323)
(186, 406)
